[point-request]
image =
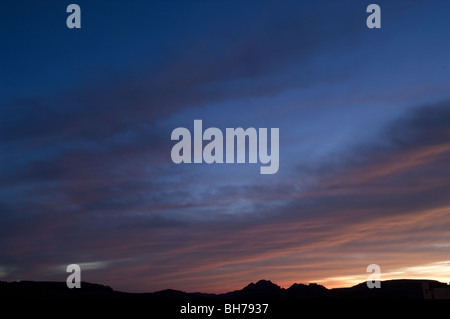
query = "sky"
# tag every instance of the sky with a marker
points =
(86, 117)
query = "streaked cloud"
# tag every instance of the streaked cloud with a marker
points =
(86, 175)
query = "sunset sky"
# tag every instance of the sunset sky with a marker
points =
(86, 116)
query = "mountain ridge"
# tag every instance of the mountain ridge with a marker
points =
(262, 289)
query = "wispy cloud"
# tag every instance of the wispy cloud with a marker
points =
(86, 175)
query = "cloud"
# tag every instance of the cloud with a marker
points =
(87, 177)
(386, 208)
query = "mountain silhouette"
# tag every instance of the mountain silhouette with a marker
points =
(311, 291)
(263, 289)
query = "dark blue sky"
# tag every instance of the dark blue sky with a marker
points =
(87, 114)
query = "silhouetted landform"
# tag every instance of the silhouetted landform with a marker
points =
(263, 289)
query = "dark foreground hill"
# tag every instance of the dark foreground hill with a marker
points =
(263, 289)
